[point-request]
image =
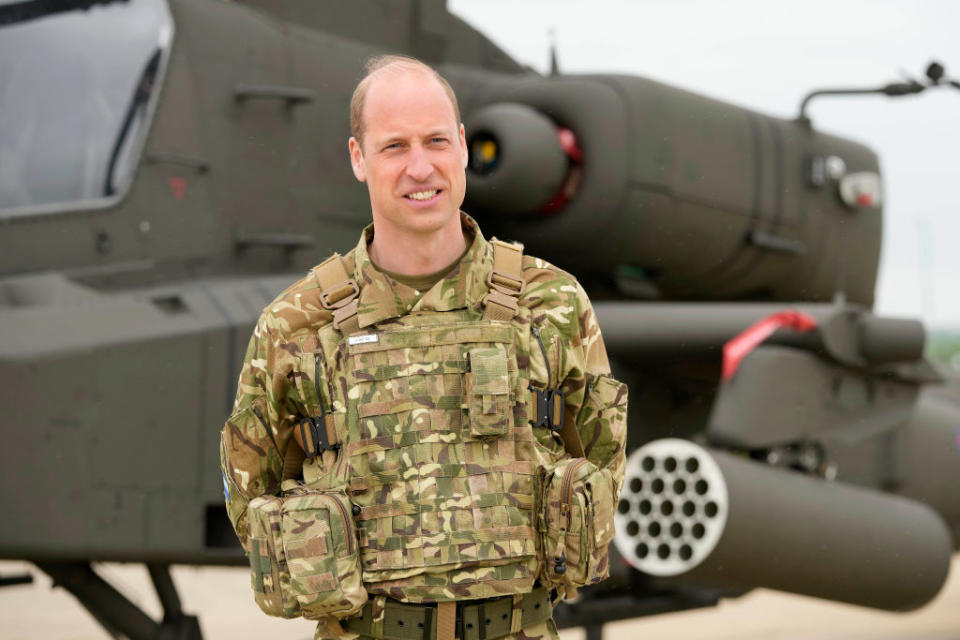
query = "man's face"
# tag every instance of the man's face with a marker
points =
(413, 155)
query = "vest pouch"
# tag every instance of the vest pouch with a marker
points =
(576, 523)
(322, 553)
(304, 555)
(269, 576)
(488, 393)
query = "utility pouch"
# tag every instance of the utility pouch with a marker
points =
(304, 556)
(576, 523)
(269, 576)
(488, 393)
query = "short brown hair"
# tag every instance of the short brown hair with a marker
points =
(377, 63)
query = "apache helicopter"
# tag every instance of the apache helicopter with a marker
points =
(169, 166)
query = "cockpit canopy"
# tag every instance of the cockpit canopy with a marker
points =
(78, 86)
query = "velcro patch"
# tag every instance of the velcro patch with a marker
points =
(310, 548)
(318, 583)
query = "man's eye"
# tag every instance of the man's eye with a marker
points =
(438, 140)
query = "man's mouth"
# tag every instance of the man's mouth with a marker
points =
(422, 195)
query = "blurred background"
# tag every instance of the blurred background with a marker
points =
(766, 57)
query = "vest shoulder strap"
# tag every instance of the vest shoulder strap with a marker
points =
(339, 293)
(506, 285)
(316, 435)
(505, 281)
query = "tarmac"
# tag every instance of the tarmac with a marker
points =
(221, 598)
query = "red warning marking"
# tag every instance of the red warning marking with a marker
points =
(736, 349)
(569, 144)
(178, 187)
(864, 200)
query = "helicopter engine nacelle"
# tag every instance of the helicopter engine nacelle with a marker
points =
(689, 197)
(517, 161)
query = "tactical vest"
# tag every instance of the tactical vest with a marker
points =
(430, 419)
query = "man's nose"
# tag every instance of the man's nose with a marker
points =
(419, 167)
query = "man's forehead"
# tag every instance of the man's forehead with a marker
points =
(395, 91)
(400, 68)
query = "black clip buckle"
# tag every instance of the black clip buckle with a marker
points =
(460, 627)
(318, 433)
(544, 408)
(428, 623)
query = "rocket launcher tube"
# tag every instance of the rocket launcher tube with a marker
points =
(717, 519)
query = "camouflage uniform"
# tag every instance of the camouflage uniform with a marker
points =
(401, 450)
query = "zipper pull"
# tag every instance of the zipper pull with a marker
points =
(546, 360)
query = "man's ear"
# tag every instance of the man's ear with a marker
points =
(463, 146)
(356, 160)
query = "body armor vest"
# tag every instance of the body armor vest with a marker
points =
(437, 451)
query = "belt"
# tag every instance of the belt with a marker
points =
(476, 619)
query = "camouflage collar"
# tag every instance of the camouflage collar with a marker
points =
(382, 297)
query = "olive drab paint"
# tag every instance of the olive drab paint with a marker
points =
(685, 219)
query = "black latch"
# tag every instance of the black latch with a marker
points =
(318, 436)
(549, 404)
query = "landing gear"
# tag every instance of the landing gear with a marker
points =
(119, 616)
(594, 632)
(592, 611)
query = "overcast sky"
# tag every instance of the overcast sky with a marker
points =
(766, 55)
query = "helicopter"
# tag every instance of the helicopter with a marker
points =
(183, 161)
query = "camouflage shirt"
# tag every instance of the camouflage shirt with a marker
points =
(290, 371)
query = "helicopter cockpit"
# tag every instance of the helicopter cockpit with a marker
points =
(77, 107)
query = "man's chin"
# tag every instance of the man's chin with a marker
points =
(420, 220)
(423, 222)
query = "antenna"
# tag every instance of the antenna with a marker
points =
(554, 65)
(935, 74)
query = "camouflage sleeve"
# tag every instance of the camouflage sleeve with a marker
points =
(250, 459)
(595, 400)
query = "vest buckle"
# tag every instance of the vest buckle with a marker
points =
(318, 442)
(339, 295)
(506, 283)
(548, 408)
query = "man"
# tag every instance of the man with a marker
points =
(444, 388)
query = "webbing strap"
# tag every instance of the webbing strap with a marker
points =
(508, 258)
(378, 612)
(293, 461)
(330, 628)
(516, 618)
(571, 438)
(446, 620)
(338, 293)
(505, 281)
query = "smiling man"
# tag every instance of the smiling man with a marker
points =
(426, 443)
(409, 147)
